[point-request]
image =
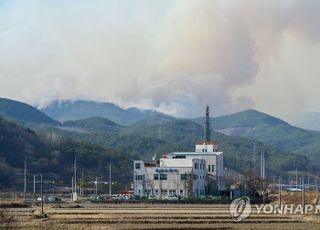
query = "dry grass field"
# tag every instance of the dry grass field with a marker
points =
(152, 216)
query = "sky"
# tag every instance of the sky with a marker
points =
(171, 56)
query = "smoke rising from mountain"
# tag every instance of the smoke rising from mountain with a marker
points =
(174, 56)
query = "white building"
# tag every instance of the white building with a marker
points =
(196, 174)
(186, 174)
(187, 178)
(214, 161)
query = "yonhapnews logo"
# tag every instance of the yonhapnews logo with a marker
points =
(240, 208)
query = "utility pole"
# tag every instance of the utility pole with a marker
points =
(254, 164)
(296, 178)
(42, 212)
(81, 184)
(25, 177)
(96, 186)
(262, 173)
(280, 182)
(303, 193)
(72, 188)
(75, 174)
(110, 181)
(34, 184)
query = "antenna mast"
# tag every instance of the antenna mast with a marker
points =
(207, 126)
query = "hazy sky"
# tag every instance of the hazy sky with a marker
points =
(174, 56)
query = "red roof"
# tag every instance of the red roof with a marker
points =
(207, 142)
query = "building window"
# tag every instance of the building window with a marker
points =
(137, 166)
(163, 176)
(179, 157)
(183, 176)
(138, 177)
(210, 168)
(195, 165)
(194, 176)
(156, 176)
(156, 191)
(181, 192)
(164, 192)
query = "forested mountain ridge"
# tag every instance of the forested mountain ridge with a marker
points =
(269, 130)
(81, 109)
(97, 141)
(146, 139)
(24, 113)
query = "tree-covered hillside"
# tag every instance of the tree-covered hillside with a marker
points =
(94, 124)
(146, 139)
(247, 118)
(53, 155)
(270, 131)
(21, 112)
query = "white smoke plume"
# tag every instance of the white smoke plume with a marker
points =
(174, 56)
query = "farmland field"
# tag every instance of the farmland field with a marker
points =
(153, 216)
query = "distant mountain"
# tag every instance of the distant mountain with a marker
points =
(22, 112)
(94, 124)
(248, 118)
(75, 110)
(306, 120)
(269, 130)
